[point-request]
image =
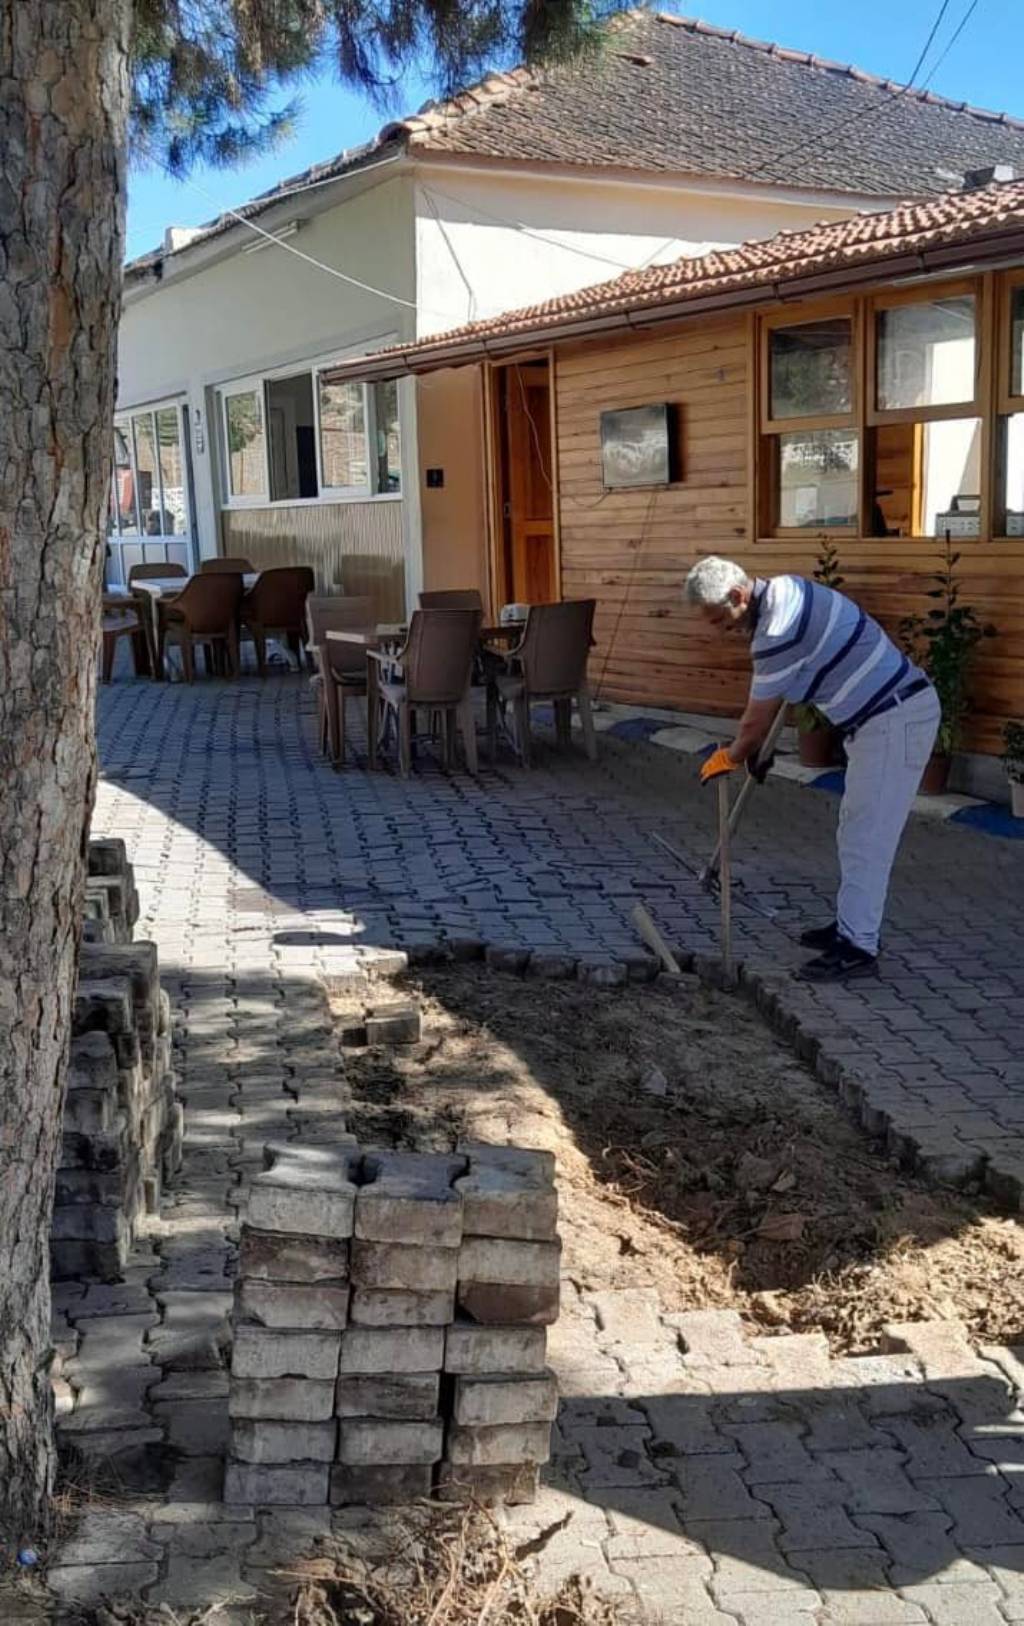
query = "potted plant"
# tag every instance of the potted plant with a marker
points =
(818, 743)
(943, 642)
(1013, 760)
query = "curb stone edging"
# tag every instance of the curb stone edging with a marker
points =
(875, 1105)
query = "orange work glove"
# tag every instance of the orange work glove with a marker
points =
(717, 763)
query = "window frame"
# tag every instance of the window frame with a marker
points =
(813, 420)
(992, 291)
(1006, 404)
(252, 385)
(314, 366)
(364, 492)
(124, 421)
(924, 294)
(770, 429)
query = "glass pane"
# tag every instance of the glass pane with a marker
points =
(817, 478)
(247, 461)
(1012, 460)
(811, 369)
(124, 480)
(389, 474)
(344, 455)
(926, 353)
(928, 478)
(148, 474)
(172, 472)
(1017, 342)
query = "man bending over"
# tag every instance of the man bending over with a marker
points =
(812, 645)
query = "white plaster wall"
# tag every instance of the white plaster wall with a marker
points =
(253, 312)
(472, 262)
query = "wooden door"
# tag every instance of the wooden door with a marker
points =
(528, 485)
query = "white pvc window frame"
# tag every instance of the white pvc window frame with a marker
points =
(253, 385)
(257, 382)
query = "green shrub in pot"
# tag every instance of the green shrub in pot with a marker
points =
(943, 641)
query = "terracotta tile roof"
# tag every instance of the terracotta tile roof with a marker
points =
(675, 95)
(950, 231)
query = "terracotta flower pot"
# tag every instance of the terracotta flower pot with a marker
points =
(818, 747)
(1017, 798)
(936, 774)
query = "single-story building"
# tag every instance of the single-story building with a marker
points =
(676, 139)
(859, 383)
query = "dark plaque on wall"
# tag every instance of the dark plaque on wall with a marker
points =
(636, 447)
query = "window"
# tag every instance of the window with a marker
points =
(343, 445)
(812, 369)
(148, 495)
(811, 442)
(1017, 340)
(245, 441)
(817, 478)
(359, 441)
(297, 437)
(926, 354)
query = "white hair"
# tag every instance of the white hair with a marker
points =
(712, 580)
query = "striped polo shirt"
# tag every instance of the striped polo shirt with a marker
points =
(812, 645)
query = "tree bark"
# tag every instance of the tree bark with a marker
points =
(63, 117)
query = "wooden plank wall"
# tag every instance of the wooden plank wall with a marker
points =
(631, 550)
(354, 546)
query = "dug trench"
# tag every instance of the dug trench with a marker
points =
(696, 1155)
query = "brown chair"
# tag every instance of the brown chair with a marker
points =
(452, 598)
(437, 669)
(549, 663)
(341, 667)
(211, 567)
(276, 603)
(145, 603)
(204, 612)
(157, 572)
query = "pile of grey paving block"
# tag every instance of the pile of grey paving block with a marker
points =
(123, 1122)
(390, 1326)
(111, 906)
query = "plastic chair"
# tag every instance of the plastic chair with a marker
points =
(437, 667)
(549, 663)
(341, 667)
(277, 603)
(452, 598)
(150, 573)
(204, 612)
(211, 567)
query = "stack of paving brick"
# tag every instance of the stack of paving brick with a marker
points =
(111, 905)
(122, 1119)
(390, 1323)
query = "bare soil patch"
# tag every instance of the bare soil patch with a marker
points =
(697, 1155)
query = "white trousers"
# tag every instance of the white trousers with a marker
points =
(885, 760)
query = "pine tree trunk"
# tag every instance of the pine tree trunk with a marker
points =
(63, 111)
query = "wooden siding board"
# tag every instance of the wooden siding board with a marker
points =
(631, 550)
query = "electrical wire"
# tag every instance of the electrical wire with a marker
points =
(528, 231)
(965, 19)
(309, 259)
(893, 95)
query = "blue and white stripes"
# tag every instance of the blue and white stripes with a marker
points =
(811, 644)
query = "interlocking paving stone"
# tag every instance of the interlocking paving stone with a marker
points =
(261, 873)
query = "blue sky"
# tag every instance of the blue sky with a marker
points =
(883, 36)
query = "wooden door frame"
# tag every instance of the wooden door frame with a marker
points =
(496, 561)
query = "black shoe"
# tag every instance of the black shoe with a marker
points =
(820, 937)
(840, 963)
